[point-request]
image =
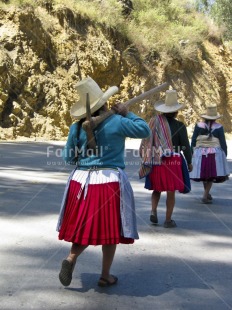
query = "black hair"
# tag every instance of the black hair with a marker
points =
(81, 121)
(171, 114)
(99, 111)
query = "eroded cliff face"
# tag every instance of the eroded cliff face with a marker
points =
(45, 51)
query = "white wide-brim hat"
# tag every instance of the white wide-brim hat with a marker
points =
(211, 113)
(97, 97)
(170, 104)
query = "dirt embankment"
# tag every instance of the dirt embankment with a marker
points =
(45, 51)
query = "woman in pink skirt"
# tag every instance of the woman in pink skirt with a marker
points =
(98, 204)
(209, 153)
(163, 164)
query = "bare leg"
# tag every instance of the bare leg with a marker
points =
(155, 198)
(108, 252)
(68, 264)
(207, 187)
(75, 251)
(170, 203)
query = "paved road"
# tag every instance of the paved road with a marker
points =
(189, 267)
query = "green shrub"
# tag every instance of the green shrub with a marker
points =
(154, 26)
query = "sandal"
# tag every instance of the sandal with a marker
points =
(209, 197)
(104, 282)
(206, 201)
(154, 218)
(170, 224)
(65, 274)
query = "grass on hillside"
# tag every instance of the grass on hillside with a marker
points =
(164, 28)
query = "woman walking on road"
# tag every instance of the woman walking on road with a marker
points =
(163, 164)
(209, 153)
(98, 205)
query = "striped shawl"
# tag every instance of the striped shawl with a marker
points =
(159, 144)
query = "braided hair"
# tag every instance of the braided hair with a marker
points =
(209, 124)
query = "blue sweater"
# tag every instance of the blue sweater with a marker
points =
(110, 137)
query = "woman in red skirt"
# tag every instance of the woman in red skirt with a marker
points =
(98, 203)
(163, 165)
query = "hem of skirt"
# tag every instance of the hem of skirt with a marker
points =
(123, 240)
(165, 190)
(212, 179)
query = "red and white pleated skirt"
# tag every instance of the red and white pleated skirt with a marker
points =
(168, 176)
(92, 211)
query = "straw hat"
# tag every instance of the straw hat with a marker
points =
(96, 96)
(171, 104)
(211, 112)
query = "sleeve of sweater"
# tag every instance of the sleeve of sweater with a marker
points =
(194, 137)
(133, 126)
(184, 142)
(222, 139)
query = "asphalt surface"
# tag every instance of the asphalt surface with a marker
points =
(189, 267)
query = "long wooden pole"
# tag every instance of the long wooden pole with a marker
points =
(95, 121)
(146, 94)
(92, 122)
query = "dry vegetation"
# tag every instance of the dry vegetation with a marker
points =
(47, 45)
(155, 28)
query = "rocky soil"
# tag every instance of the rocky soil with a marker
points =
(44, 51)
